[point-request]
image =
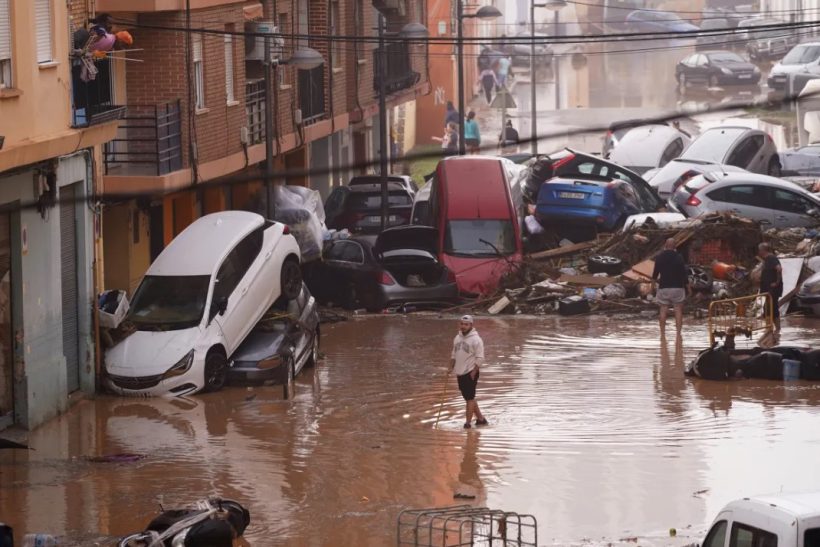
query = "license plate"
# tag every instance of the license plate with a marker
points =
(377, 219)
(744, 77)
(571, 195)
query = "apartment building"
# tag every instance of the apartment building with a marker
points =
(195, 102)
(52, 126)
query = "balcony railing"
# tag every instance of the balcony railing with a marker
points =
(92, 102)
(399, 70)
(255, 109)
(312, 94)
(149, 141)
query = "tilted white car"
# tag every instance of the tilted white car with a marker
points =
(199, 300)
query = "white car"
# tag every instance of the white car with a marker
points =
(644, 148)
(668, 178)
(199, 300)
(802, 58)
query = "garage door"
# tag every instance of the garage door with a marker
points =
(68, 254)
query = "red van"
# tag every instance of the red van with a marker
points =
(479, 234)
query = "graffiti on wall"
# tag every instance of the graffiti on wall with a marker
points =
(439, 96)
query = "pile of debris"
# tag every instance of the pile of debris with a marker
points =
(614, 272)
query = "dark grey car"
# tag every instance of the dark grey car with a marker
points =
(282, 343)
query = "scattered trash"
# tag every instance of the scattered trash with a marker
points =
(113, 307)
(573, 305)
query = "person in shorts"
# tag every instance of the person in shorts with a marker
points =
(672, 284)
(465, 359)
(771, 281)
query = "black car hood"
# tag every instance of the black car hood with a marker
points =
(408, 237)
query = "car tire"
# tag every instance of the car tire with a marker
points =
(291, 279)
(216, 371)
(609, 265)
(774, 169)
(713, 81)
(314, 350)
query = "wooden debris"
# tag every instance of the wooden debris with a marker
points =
(563, 251)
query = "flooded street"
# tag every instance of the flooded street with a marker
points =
(593, 429)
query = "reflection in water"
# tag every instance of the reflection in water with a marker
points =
(594, 430)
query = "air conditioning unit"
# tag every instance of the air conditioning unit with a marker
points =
(297, 116)
(255, 45)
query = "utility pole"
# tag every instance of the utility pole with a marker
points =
(533, 127)
(269, 193)
(462, 149)
(383, 123)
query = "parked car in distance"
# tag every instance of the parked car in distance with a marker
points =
(768, 200)
(398, 266)
(766, 43)
(801, 160)
(808, 296)
(588, 203)
(715, 39)
(657, 21)
(668, 178)
(281, 344)
(803, 57)
(715, 69)
(199, 300)
(749, 149)
(358, 208)
(479, 230)
(777, 520)
(405, 180)
(649, 146)
(570, 163)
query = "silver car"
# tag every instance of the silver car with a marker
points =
(768, 200)
(649, 146)
(749, 149)
(668, 178)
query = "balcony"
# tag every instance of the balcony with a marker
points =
(399, 74)
(148, 142)
(255, 110)
(92, 102)
(312, 94)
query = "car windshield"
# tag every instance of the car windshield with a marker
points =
(713, 145)
(726, 57)
(479, 237)
(801, 55)
(169, 302)
(361, 202)
(665, 16)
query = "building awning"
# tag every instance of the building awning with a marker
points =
(253, 11)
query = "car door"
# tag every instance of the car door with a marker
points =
(745, 154)
(746, 200)
(250, 293)
(791, 209)
(345, 271)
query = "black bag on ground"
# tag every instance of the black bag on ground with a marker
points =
(767, 365)
(573, 305)
(712, 364)
(810, 365)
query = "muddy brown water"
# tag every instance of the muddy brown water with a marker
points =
(594, 430)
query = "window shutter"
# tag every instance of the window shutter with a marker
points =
(229, 93)
(5, 30)
(43, 30)
(196, 46)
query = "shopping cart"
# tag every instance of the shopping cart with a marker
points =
(745, 315)
(465, 525)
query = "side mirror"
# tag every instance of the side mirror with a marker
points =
(222, 305)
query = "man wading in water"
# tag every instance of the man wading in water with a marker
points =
(468, 354)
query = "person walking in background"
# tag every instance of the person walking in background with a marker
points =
(449, 142)
(488, 82)
(508, 140)
(451, 114)
(503, 71)
(771, 281)
(466, 358)
(672, 278)
(472, 135)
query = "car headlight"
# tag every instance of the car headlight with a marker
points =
(726, 71)
(182, 366)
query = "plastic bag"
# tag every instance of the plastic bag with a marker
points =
(302, 210)
(113, 306)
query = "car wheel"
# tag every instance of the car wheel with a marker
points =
(700, 278)
(713, 81)
(774, 169)
(291, 279)
(609, 265)
(216, 371)
(314, 350)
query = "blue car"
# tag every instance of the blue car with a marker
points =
(588, 202)
(657, 21)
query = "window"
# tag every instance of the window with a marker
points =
(5, 45)
(336, 30)
(169, 302)
(811, 538)
(672, 151)
(236, 265)
(284, 74)
(748, 536)
(473, 238)
(199, 74)
(745, 152)
(716, 536)
(791, 202)
(229, 93)
(345, 251)
(43, 30)
(302, 23)
(741, 195)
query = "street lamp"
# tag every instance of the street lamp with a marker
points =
(304, 58)
(555, 6)
(410, 31)
(484, 12)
